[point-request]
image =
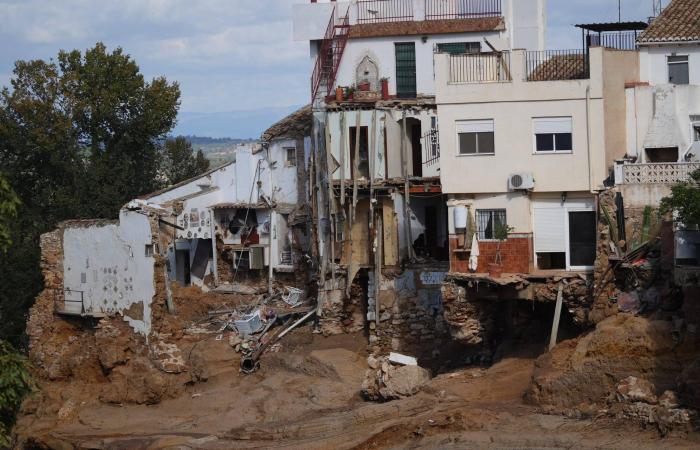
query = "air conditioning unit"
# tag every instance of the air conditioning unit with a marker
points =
(521, 181)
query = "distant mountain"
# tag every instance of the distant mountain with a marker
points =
(248, 124)
(206, 140)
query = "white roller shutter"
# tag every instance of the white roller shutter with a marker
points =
(552, 125)
(474, 126)
(550, 231)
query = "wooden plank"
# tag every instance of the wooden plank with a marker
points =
(390, 233)
(557, 317)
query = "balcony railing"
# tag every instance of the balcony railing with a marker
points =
(657, 173)
(378, 11)
(461, 9)
(553, 65)
(480, 67)
(431, 147)
(619, 40)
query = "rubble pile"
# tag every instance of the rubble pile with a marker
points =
(635, 400)
(385, 380)
(581, 373)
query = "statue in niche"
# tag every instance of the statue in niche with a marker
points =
(367, 71)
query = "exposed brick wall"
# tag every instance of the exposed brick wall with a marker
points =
(516, 254)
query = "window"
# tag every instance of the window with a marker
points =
(487, 220)
(459, 47)
(290, 159)
(149, 250)
(678, 72)
(475, 137)
(696, 132)
(405, 69)
(553, 134)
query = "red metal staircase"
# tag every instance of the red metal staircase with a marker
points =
(330, 54)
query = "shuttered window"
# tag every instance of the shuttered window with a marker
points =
(405, 69)
(553, 134)
(475, 137)
(550, 230)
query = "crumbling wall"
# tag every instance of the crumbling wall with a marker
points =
(338, 312)
(410, 313)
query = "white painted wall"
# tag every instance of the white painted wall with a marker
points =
(284, 176)
(654, 67)
(662, 115)
(518, 103)
(109, 264)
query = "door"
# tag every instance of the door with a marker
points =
(405, 69)
(582, 238)
(417, 148)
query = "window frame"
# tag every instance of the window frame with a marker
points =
(670, 63)
(491, 212)
(287, 162)
(475, 123)
(535, 150)
(470, 47)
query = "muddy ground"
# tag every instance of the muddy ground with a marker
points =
(306, 396)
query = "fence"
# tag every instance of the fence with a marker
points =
(458, 9)
(378, 11)
(480, 67)
(552, 65)
(623, 40)
(657, 173)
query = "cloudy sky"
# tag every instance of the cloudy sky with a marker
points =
(234, 59)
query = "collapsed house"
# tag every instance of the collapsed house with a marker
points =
(246, 220)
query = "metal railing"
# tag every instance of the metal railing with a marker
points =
(431, 147)
(461, 9)
(480, 67)
(60, 299)
(330, 54)
(552, 65)
(378, 11)
(621, 40)
(657, 173)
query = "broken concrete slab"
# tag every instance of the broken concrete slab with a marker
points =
(404, 360)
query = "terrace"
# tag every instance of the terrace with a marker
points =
(383, 11)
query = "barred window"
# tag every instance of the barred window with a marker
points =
(487, 220)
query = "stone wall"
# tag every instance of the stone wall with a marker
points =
(410, 313)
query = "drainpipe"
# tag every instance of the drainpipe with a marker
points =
(273, 224)
(588, 137)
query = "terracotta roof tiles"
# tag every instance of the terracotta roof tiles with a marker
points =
(679, 22)
(426, 27)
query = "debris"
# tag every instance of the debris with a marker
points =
(628, 302)
(249, 323)
(389, 382)
(292, 297)
(398, 358)
(633, 389)
(238, 289)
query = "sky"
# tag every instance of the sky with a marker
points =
(238, 68)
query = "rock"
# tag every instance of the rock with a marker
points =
(372, 362)
(628, 302)
(234, 340)
(669, 399)
(404, 381)
(633, 389)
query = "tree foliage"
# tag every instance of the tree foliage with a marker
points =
(684, 201)
(179, 161)
(15, 384)
(8, 212)
(79, 137)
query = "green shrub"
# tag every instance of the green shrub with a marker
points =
(15, 383)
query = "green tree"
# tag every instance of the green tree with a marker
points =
(79, 137)
(684, 201)
(8, 212)
(15, 384)
(179, 161)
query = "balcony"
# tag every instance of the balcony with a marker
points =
(480, 68)
(382, 11)
(654, 173)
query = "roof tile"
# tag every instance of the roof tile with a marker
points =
(679, 22)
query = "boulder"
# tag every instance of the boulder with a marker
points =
(633, 389)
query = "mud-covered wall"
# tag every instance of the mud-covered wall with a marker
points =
(110, 267)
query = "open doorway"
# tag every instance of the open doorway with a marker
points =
(182, 267)
(363, 162)
(413, 138)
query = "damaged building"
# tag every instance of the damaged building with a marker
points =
(383, 214)
(246, 220)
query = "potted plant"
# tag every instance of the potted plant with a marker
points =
(363, 86)
(500, 233)
(349, 91)
(385, 87)
(339, 94)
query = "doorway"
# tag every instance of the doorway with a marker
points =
(416, 147)
(582, 238)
